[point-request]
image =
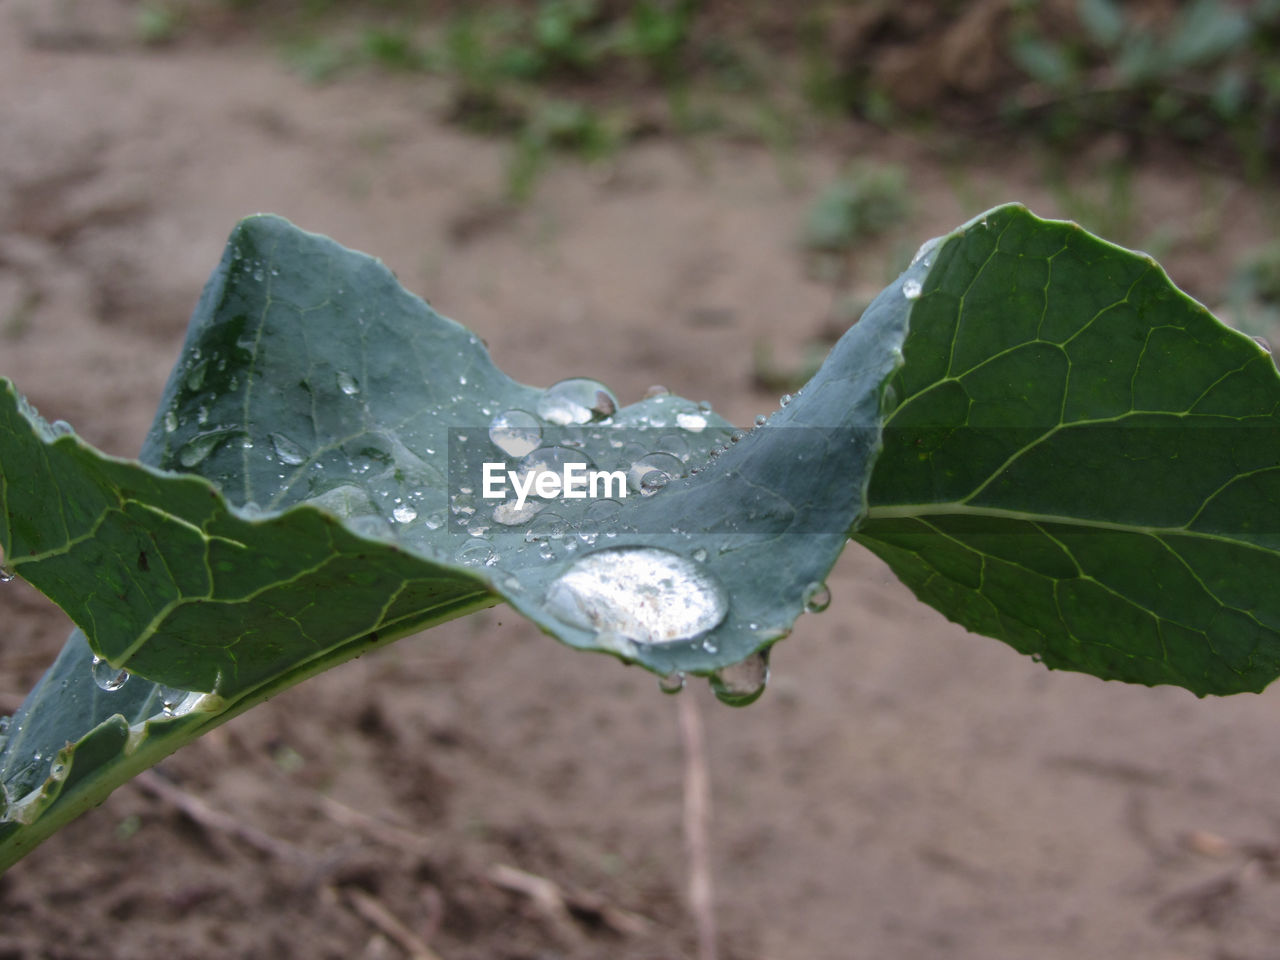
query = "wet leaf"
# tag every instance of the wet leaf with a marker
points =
(1084, 463)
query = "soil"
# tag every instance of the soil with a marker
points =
(904, 788)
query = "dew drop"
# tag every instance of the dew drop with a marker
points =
(347, 383)
(476, 552)
(516, 433)
(404, 514)
(511, 514)
(700, 555)
(195, 376)
(108, 677)
(577, 400)
(672, 683)
(170, 422)
(785, 399)
(61, 428)
(761, 420)
(5, 574)
(199, 447)
(693, 422)
(435, 520)
(287, 450)
(743, 682)
(654, 471)
(641, 594)
(911, 289)
(546, 551)
(657, 390)
(926, 248)
(817, 597)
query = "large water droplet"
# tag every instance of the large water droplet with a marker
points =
(642, 594)
(926, 248)
(170, 422)
(106, 676)
(515, 432)
(817, 597)
(911, 289)
(693, 422)
(288, 450)
(577, 400)
(347, 383)
(61, 428)
(476, 552)
(199, 447)
(404, 513)
(509, 513)
(654, 471)
(742, 683)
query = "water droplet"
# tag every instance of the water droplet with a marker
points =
(404, 514)
(434, 520)
(743, 682)
(61, 428)
(693, 422)
(170, 422)
(785, 399)
(195, 376)
(672, 683)
(761, 420)
(577, 400)
(476, 552)
(926, 248)
(347, 383)
(5, 574)
(603, 511)
(588, 532)
(546, 551)
(108, 677)
(510, 514)
(817, 597)
(657, 390)
(550, 460)
(654, 471)
(199, 447)
(516, 433)
(700, 555)
(287, 450)
(548, 526)
(911, 289)
(641, 594)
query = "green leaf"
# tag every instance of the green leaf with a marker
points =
(1103, 19)
(309, 490)
(1084, 463)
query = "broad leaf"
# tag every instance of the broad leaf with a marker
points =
(1084, 463)
(310, 489)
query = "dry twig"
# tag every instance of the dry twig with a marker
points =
(377, 915)
(697, 814)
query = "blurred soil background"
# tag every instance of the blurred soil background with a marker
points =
(696, 194)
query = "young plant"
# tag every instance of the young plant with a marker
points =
(1042, 436)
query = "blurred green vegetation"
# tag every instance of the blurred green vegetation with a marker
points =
(1204, 72)
(1093, 88)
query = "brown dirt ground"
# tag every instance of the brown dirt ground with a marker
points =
(904, 789)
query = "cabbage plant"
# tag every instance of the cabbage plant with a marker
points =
(1035, 429)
